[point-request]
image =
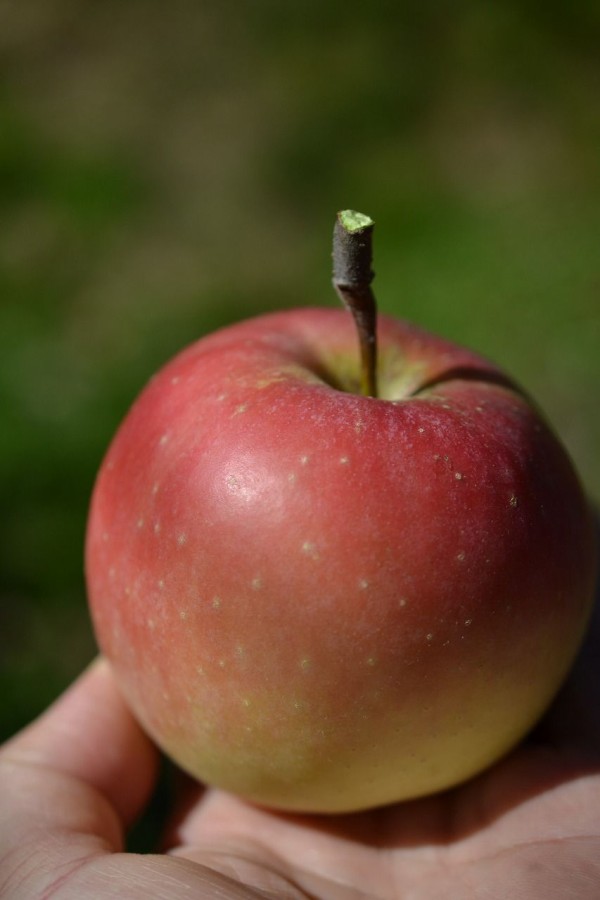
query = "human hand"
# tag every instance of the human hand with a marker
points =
(72, 783)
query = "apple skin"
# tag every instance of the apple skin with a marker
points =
(326, 602)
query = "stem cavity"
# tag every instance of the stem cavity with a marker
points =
(352, 277)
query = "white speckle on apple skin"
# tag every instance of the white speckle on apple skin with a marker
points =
(164, 439)
(459, 476)
(363, 584)
(402, 601)
(344, 460)
(461, 556)
(305, 664)
(303, 460)
(181, 538)
(256, 583)
(156, 528)
(216, 602)
(308, 548)
(140, 523)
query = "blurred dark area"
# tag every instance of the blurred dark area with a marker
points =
(166, 169)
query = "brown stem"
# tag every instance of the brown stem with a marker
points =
(352, 276)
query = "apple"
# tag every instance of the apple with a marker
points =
(325, 601)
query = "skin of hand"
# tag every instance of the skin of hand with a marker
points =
(73, 782)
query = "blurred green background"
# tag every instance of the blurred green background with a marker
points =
(168, 168)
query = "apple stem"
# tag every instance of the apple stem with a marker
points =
(352, 277)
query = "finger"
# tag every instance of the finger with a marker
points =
(90, 734)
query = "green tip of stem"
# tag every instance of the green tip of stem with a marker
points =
(353, 221)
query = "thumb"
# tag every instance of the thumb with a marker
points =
(89, 735)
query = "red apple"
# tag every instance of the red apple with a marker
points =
(324, 601)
